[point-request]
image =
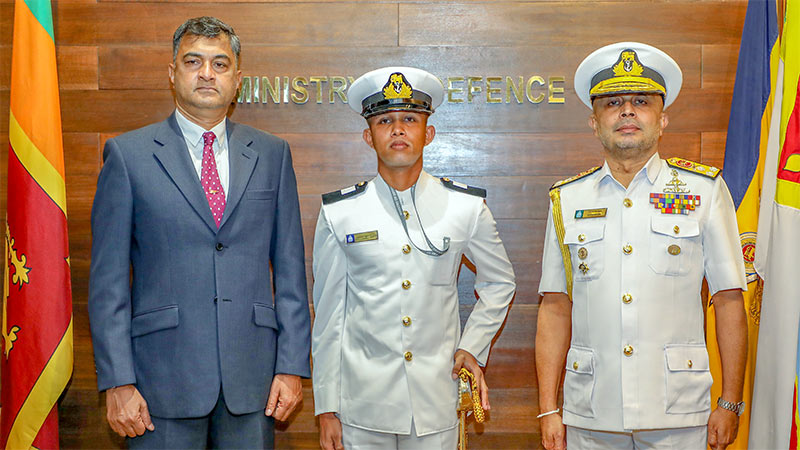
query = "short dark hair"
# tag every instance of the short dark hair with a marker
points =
(205, 26)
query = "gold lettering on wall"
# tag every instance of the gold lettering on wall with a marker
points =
(331, 89)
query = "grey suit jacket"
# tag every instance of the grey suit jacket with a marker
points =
(180, 308)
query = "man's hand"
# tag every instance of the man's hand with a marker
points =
(330, 432)
(554, 435)
(284, 396)
(127, 412)
(722, 428)
(464, 359)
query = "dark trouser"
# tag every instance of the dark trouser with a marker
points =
(220, 429)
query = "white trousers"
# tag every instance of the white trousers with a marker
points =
(359, 439)
(689, 438)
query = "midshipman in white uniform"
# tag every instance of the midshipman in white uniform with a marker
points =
(387, 339)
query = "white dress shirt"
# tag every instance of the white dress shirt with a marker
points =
(383, 349)
(637, 358)
(193, 134)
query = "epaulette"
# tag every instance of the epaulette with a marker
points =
(335, 196)
(691, 166)
(461, 187)
(576, 177)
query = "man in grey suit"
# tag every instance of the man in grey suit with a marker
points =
(190, 345)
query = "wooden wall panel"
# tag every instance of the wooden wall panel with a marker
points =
(113, 58)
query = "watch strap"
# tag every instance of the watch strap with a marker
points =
(737, 408)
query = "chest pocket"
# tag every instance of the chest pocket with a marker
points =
(674, 242)
(444, 268)
(586, 248)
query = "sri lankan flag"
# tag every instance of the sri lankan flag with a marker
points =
(37, 304)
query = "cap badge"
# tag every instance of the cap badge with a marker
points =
(397, 87)
(628, 64)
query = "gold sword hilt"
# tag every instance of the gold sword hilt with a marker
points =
(469, 399)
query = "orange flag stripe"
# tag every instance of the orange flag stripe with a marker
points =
(34, 85)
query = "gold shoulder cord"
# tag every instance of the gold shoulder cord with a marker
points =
(469, 399)
(558, 222)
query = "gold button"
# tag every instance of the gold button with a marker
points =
(406, 284)
(627, 202)
(406, 249)
(406, 214)
(627, 298)
(362, 183)
(628, 350)
(575, 365)
(583, 253)
(445, 179)
(689, 363)
(406, 321)
(676, 229)
(674, 250)
(581, 237)
(408, 356)
(627, 249)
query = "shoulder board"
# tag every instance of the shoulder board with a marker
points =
(691, 166)
(575, 178)
(335, 196)
(461, 187)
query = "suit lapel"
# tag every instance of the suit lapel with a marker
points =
(242, 162)
(171, 152)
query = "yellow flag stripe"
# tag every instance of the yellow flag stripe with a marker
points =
(34, 87)
(44, 395)
(36, 164)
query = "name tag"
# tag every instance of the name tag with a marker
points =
(362, 237)
(590, 213)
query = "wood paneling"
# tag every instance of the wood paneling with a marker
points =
(113, 58)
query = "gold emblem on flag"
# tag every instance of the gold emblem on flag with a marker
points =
(19, 278)
(397, 87)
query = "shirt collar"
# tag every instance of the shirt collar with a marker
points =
(193, 133)
(421, 183)
(652, 168)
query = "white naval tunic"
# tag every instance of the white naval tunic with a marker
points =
(383, 353)
(637, 358)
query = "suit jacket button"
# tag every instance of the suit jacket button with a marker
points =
(408, 356)
(219, 246)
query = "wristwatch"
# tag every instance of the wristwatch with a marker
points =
(737, 408)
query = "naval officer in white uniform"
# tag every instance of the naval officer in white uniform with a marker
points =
(626, 249)
(387, 339)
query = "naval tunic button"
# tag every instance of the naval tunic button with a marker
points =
(627, 202)
(575, 365)
(581, 237)
(689, 363)
(627, 298)
(676, 229)
(628, 350)
(406, 284)
(674, 250)
(628, 249)
(408, 356)
(406, 321)
(406, 249)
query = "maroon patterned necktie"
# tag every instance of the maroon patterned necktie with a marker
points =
(209, 178)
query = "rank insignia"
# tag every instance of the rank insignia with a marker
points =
(590, 213)
(691, 166)
(362, 237)
(675, 203)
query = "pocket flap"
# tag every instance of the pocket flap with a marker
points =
(259, 194)
(677, 227)
(154, 320)
(580, 360)
(584, 232)
(686, 358)
(264, 315)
